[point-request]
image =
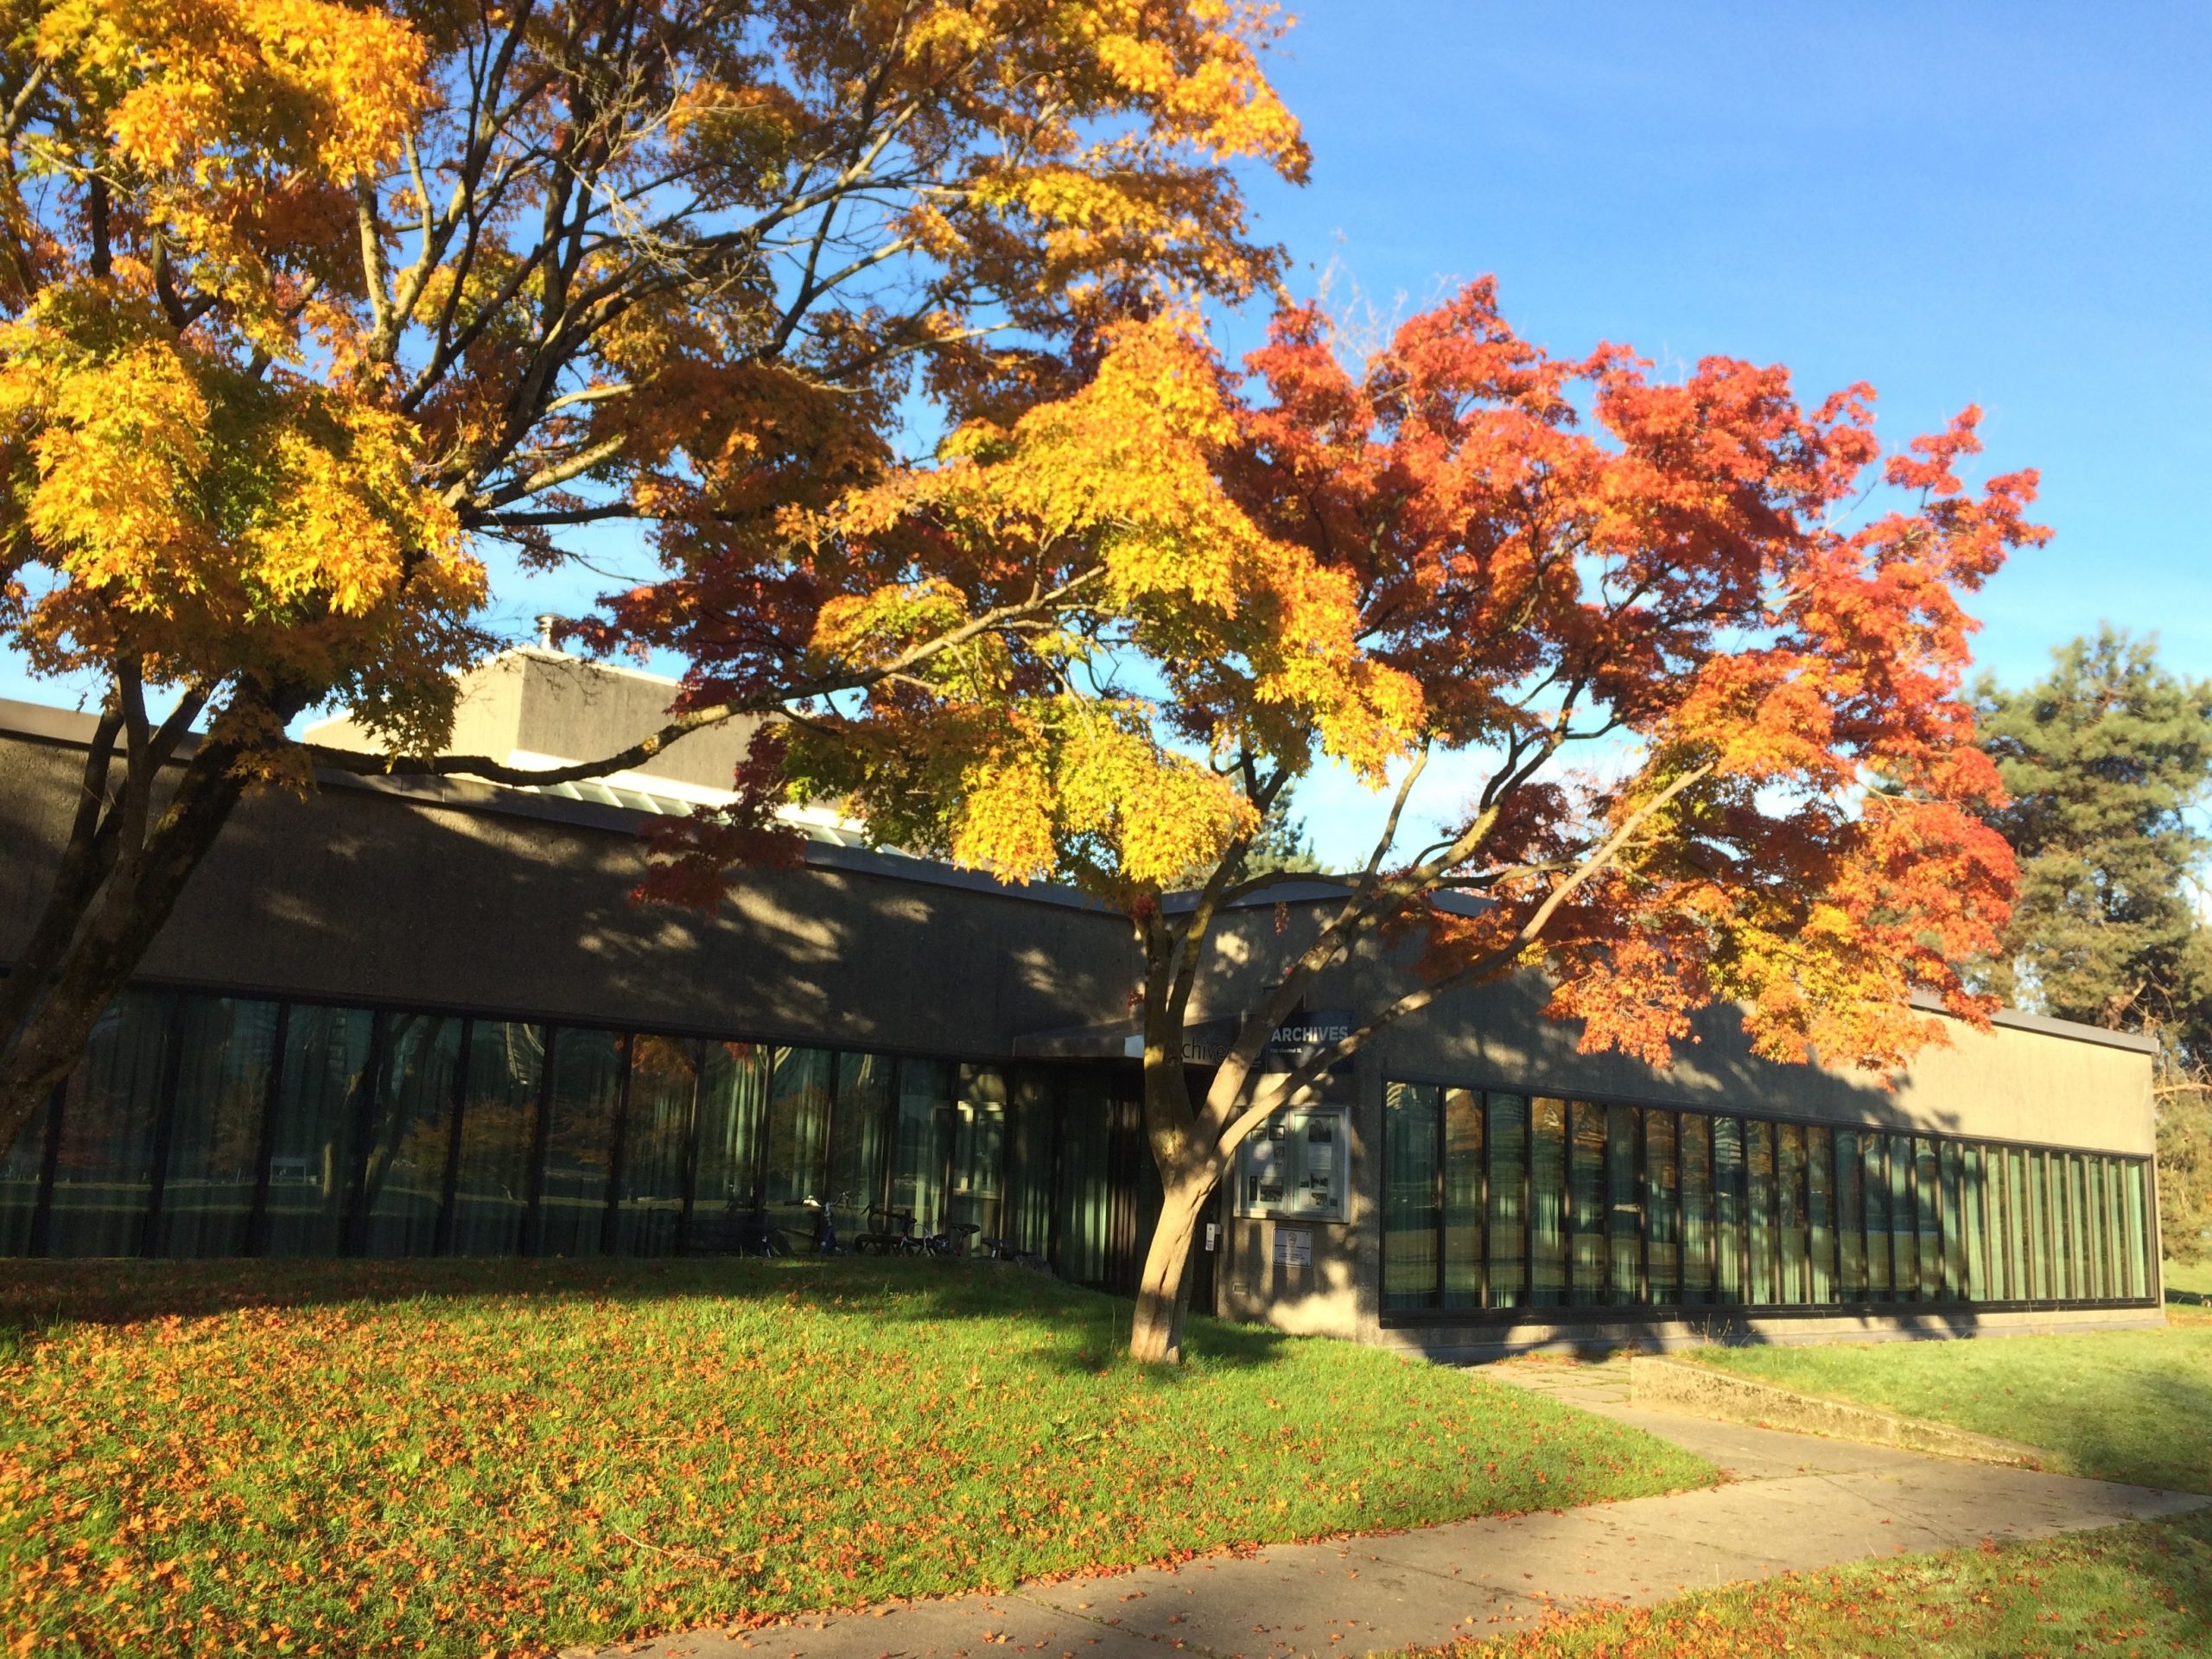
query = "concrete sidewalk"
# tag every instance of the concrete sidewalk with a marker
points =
(1795, 1503)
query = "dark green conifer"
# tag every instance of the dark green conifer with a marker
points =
(2107, 760)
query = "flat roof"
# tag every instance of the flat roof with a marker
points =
(69, 727)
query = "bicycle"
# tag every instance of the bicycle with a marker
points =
(893, 1237)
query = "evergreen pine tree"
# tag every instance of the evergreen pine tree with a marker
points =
(2108, 758)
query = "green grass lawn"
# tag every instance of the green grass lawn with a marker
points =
(2131, 1591)
(2119, 1405)
(459, 1458)
(2194, 1276)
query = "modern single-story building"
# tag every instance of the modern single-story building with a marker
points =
(400, 1017)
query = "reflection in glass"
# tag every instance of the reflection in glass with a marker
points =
(798, 1137)
(1877, 1218)
(2037, 1216)
(1508, 1173)
(725, 1185)
(498, 1134)
(860, 1139)
(2114, 1233)
(923, 1140)
(579, 1141)
(1410, 1128)
(2053, 1172)
(1586, 1201)
(1548, 1202)
(1663, 1226)
(2085, 1237)
(1820, 1213)
(1728, 1206)
(1026, 1222)
(1697, 1207)
(315, 1154)
(978, 1150)
(22, 1169)
(1950, 1172)
(1086, 1127)
(403, 1182)
(226, 1048)
(656, 1125)
(1904, 1237)
(2139, 1236)
(1463, 1199)
(1849, 1218)
(1759, 1210)
(1974, 1202)
(1790, 1219)
(103, 1176)
(1623, 1206)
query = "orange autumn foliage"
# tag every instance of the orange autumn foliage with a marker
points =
(1463, 546)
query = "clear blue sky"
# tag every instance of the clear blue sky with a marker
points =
(2008, 205)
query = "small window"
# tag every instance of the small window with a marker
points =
(1293, 1165)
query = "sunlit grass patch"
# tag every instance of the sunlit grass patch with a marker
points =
(2118, 1405)
(457, 1457)
(2130, 1591)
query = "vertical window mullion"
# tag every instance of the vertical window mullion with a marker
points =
(1643, 1133)
(443, 1234)
(687, 1176)
(157, 1167)
(1436, 1200)
(1481, 1209)
(617, 1173)
(356, 1223)
(49, 1165)
(264, 1153)
(532, 1242)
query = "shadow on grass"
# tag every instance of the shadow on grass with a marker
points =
(36, 1296)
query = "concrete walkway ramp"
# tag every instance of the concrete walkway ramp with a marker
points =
(1793, 1503)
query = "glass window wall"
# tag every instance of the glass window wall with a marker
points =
(499, 1137)
(324, 1087)
(410, 1142)
(1548, 1202)
(227, 1048)
(1411, 1129)
(657, 1123)
(1628, 1206)
(1508, 1180)
(104, 1165)
(580, 1123)
(1463, 1197)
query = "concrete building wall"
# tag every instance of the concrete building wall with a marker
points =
(501, 901)
(463, 896)
(532, 702)
(2025, 1080)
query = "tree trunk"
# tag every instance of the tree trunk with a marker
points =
(122, 871)
(1164, 1292)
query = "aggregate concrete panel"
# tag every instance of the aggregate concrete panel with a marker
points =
(441, 898)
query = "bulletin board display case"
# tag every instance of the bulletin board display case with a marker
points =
(1293, 1165)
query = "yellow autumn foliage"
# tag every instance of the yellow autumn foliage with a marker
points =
(1002, 760)
(197, 520)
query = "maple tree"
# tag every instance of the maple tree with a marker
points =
(1463, 546)
(303, 303)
